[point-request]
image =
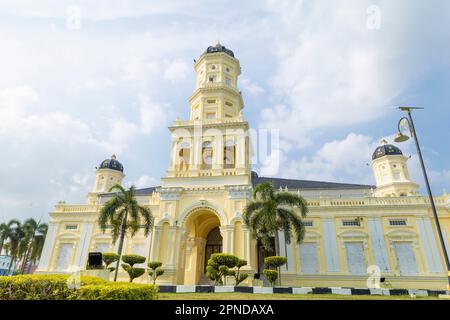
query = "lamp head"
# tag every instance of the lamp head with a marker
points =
(401, 137)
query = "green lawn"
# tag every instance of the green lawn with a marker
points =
(252, 296)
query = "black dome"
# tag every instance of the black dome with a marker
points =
(112, 164)
(219, 48)
(386, 150)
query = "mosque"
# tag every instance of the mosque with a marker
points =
(199, 203)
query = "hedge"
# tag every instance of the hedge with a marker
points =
(118, 291)
(54, 287)
(41, 287)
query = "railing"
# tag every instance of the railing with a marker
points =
(373, 201)
(208, 121)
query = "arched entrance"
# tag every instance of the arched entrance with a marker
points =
(202, 239)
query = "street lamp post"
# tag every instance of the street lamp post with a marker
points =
(408, 124)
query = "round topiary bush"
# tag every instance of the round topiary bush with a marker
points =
(108, 258)
(271, 275)
(133, 259)
(275, 262)
(225, 259)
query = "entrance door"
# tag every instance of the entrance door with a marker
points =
(213, 245)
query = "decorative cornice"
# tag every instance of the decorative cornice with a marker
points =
(239, 192)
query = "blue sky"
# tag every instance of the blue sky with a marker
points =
(314, 70)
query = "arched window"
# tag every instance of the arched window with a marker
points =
(229, 155)
(207, 155)
(183, 156)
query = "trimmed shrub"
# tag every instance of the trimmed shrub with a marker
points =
(130, 260)
(219, 266)
(238, 276)
(155, 270)
(275, 262)
(118, 291)
(133, 259)
(55, 287)
(271, 275)
(225, 259)
(42, 287)
(109, 258)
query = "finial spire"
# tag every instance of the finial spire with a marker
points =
(113, 157)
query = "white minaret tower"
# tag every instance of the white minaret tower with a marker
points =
(214, 141)
(216, 95)
(391, 172)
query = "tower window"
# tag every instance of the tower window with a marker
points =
(228, 81)
(213, 67)
(210, 101)
(210, 115)
(227, 69)
(212, 78)
(228, 103)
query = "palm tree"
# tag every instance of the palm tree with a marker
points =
(32, 229)
(271, 212)
(124, 214)
(4, 233)
(15, 237)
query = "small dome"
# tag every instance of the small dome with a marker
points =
(386, 150)
(219, 48)
(112, 164)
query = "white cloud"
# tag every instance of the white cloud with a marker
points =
(177, 70)
(145, 182)
(333, 71)
(153, 116)
(250, 87)
(339, 160)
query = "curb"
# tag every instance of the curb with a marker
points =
(301, 290)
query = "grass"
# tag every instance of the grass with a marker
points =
(252, 296)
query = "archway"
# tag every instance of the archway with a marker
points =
(202, 238)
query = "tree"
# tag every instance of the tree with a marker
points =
(108, 258)
(155, 270)
(271, 275)
(32, 230)
(219, 266)
(275, 262)
(4, 234)
(125, 215)
(130, 260)
(271, 212)
(15, 236)
(238, 276)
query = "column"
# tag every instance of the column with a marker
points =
(49, 245)
(154, 255)
(227, 238)
(172, 246)
(330, 245)
(83, 244)
(247, 241)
